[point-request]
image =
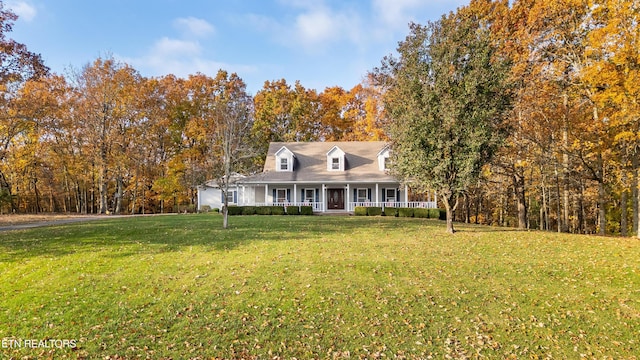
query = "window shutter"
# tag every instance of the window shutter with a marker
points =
(235, 197)
(288, 195)
(384, 194)
(369, 194)
(355, 195)
(221, 197)
(398, 195)
(317, 195)
(302, 195)
(275, 199)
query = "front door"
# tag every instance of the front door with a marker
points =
(336, 199)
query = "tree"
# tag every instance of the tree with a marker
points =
(224, 115)
(108, 106)
(285, 114)
(446, 96)
(614, 69)
(17, 65)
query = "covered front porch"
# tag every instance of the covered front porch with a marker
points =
(340, 197)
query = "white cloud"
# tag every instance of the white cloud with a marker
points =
(180, 58)
(176, 48)
(194, 26)
(23, 9)
(396, 13)
(314, 27)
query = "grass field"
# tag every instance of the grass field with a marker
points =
(178, 287)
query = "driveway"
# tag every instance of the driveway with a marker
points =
(54, 222)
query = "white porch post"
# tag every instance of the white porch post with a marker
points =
(347, 199)
(322, 198)
(406, 195)
(266, 194)
(295, 193)
(243, 201)
(377, 195)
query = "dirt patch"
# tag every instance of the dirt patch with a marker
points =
(19, 219)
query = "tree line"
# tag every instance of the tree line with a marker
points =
(564, 158)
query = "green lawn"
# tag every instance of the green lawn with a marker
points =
(315, 287)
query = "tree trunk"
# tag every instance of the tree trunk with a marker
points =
(635, 194)
(623, 206)
(450, 209)
(467, 209)
(478, 203)
(521, 200)
(565, 167)
(119, 194)
(225, 217)
(582, 215)
(558, 205)
(103, 190)
(602, 223)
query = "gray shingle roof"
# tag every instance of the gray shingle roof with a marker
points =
(310, 164)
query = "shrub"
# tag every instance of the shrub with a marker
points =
(234, 210)
(421, 213)
(293, 210)
(374, 211)
(405, 212)
(434, 213)
(390, 211)
(360, 211)
(248, 210)
(277, 210)
(205, 208)
(263, 210)
(306, 210)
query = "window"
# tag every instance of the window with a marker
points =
(336, 159)
(309, 195)
(362, 195)
(386, 163)
(284, 164)
(231, 196)
(335, 163)
(281, 195)
(390, 195)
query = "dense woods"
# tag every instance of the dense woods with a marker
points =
(106, 139)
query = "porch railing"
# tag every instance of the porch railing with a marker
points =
(394, 204)
(316, 205)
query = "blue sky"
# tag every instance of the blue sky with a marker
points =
(322, 43)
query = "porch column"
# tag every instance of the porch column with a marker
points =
(322, 198)
(406, 195)
(295, 194)
(346, 198)
(242, 198)
(266, 194)
(377, 195)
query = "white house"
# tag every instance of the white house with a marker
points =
(329, 176)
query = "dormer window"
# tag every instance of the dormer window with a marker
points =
(284, 164)
(384, 159)
(335, 159)
(284, 159)
(335, 163)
